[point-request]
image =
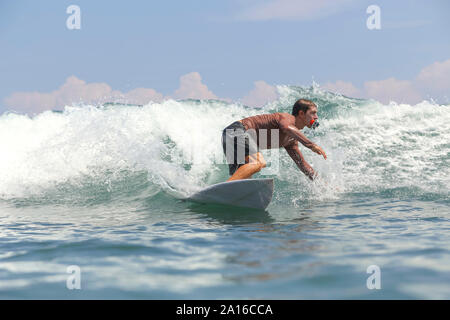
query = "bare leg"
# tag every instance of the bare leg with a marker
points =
(255, 163)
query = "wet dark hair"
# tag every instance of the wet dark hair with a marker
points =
(302, 105)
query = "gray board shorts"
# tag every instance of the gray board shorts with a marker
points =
(240, 144)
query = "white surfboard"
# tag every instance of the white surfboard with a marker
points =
(247, 193)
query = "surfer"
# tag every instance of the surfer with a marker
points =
(247, 136)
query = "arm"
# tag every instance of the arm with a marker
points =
(293, 132)
(296, 155)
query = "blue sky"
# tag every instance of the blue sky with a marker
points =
(151, 44)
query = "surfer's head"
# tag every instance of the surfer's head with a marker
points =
(305, 113)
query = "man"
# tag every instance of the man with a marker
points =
(247, 134)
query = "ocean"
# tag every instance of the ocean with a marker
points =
(91, 204)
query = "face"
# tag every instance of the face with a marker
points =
(311, 114)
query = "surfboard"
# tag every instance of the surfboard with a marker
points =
(247, 193)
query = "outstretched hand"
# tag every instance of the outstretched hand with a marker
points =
(319, 150)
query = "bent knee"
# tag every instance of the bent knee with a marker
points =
(262, 163)
(257, 161)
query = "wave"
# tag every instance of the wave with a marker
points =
(109, 151)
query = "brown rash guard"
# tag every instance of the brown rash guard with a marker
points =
(289, 136)
(278, 121)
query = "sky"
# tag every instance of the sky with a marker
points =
(235, 50)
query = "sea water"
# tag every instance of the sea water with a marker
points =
(91, 204)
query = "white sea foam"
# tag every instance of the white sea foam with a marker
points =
(370, 146)
(176, 142)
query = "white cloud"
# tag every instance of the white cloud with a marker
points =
(435, 78)
(381, 90)
(191, 87)
(392, 90)
(292, 9)
(75, 90)
(140, 96)
(343, 87)
(432, 81)
(260, 95)
(30, 102)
